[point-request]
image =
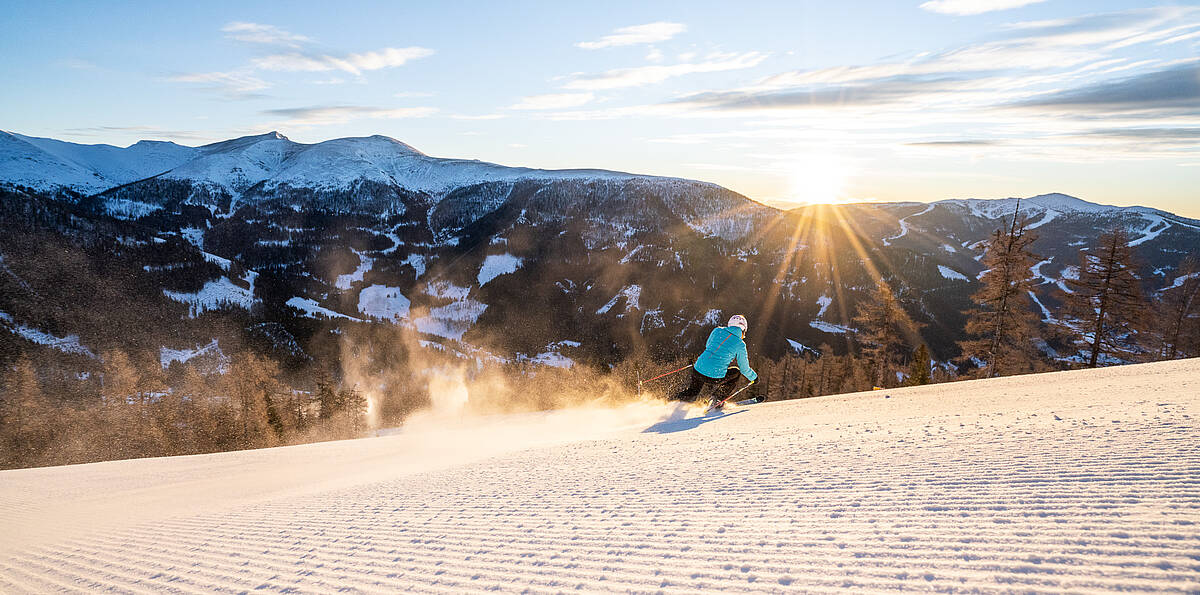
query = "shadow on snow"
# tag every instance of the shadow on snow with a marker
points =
(676, 422)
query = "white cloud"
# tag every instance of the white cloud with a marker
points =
(388, 57)
(553, 101)
(412, 94)
(646, 75)
(655, 55)
(970, 7)
(352, 63)
(1179, 38)
(294, 53)
(296, 61)
(637, 34)
(263, 34)
(339, 114)
(237, 82)
(478, 117)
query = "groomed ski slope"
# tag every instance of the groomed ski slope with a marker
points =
(1080, 481)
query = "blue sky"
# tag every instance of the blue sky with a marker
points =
(786, 102)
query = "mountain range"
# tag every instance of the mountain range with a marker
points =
(285, 247)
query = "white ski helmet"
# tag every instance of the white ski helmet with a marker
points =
(739, 321)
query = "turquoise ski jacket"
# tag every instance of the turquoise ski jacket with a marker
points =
(724, 346)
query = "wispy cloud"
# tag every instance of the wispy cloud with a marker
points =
(971, 7)
(142, 132)
(646, 75)
(889, 90)
(478, 116)
(635, 35)
(1034, 90)
(351, 63)
(955, 143)
(1172, 88)
(1033, 60)
(339, 114)
(293, 53)
(553, 101)
(237, 83)
(388, 57)
(263, 34)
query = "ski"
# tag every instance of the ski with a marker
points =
(752, 400)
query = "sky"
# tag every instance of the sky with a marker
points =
(786, 102)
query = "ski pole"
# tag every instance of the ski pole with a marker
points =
(735, 393)
(671, 372)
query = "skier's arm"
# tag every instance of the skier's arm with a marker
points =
(743, 362)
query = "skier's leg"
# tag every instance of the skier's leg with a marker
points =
(724, 388)
(726, 385)
(693, 388)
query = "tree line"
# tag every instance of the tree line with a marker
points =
(135, 408)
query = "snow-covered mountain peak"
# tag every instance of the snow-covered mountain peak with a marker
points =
(156, 143)
(398, 145)
(994, 208)
(46, 163)
(237, 164)
(1065, 203)
(244, 141)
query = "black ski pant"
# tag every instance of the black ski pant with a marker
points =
(699, 381)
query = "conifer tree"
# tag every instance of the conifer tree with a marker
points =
(920, 372)
(118, 397)
(25, 430)
(1004, 325)
(885, 331)
(251, 383)
(1178, 312)
(1106, 299)
(856, 377)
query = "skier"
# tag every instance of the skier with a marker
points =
(725, 346)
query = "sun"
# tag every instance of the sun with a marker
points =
(818, 179)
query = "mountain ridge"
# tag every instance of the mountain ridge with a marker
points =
(287, 168)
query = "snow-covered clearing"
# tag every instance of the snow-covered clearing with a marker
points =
(1046, 314)
(417, 262)
(123, 208)
(67, 344)
(214, 296)
(829, 327)
(951, 274)
(1179, 281)
(631, 293)
(497, 264)
(1156, 226)
(222, 262)
(1084, 481)
(824, 301)
(1048, 216)
(364, 265)
(166, 355)
(453, 320)
(383, 303)
(312, 309)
